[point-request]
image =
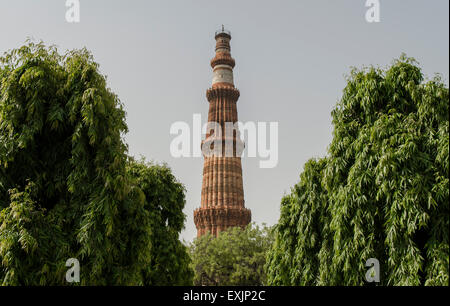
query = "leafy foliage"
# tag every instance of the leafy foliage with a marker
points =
(67, 186)
(298, 234)
(382, 192)
(236, 257)
(170, 260)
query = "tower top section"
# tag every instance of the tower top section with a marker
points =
(222, 32)
(223, 63)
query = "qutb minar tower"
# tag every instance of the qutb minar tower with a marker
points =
(222, 200)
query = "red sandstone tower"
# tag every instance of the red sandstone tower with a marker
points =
(222, 201)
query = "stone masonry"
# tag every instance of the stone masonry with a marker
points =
(222, 200)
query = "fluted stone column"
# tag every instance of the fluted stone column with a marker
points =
(222, 198)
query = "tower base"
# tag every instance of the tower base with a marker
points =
(217, 219)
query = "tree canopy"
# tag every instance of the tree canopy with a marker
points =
(169, 258)
(381, 192)
(235, 257)
(68, 189)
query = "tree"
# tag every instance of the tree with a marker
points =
(67, 186)
(236, 257)
(381, 192)
(169, 260)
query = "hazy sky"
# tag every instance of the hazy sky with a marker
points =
(291, 59)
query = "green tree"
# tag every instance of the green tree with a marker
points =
(67, 187)
(381, 192)
(169, 260)
(236, 257)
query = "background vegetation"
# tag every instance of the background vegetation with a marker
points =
(381, 192)
(67, 186)
(236, 257)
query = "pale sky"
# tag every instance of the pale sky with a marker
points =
(291, 58)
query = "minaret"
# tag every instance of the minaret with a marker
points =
(222, 200)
